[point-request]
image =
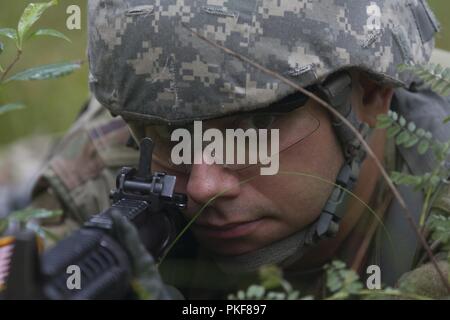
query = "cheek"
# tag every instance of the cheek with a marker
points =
(307, 174)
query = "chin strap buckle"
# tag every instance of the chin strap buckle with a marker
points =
(327, 225)
(337, 90)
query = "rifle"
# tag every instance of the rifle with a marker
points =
(145, 199)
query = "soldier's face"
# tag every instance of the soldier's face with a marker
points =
(253, 214)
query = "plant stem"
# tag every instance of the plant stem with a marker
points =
(369, 150)
(8, 69)
(423, 214)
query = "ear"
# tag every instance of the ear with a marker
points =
(370, 99)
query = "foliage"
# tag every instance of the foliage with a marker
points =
(273, 287)
(30, 16)
(11, 107)
(407, 135)
(341, 282)
(434, 75)
(29, 218)
(440, 229)
(45, 72)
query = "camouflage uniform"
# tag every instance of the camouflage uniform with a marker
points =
(164, 73)
(19, 166)
(83, 166)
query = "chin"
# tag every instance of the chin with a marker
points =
(224, 244)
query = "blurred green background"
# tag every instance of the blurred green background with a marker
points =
(53, 105)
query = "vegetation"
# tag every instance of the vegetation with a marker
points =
(20, 36)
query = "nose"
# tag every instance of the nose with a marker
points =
(207, 181)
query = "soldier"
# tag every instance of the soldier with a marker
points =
(151, 65)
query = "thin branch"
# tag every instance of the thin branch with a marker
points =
(8, 69)
(370, 152)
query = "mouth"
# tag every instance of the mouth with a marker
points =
(227, 231)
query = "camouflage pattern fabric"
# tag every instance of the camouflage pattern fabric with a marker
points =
(20, 163)
(83, 167)
(146, 64)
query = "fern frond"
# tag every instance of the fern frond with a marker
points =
(434, 75)
(405, 133)
(418, 182)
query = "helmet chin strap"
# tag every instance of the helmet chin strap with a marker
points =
(337, 90)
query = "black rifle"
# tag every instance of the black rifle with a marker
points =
(147, 200)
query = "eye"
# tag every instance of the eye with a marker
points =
(258, 121)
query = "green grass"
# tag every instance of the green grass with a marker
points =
(53, 105)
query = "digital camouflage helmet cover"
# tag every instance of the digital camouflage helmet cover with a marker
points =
(146, 64)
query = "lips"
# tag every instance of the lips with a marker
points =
(228, 231)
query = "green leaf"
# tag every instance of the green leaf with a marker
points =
(446, 91)
(402, 138)
(403, 67)
(440, 228)
(435, 76)
(384, 121)
(341, 281)
(30, 15)
(435, 180)
(420, 133)
(402, 121)
(27, 214)
(11, 107)
(51, 33)
(9, 33)
(255, 292)
(1, 48)
(43, 232)
(400, 178)
(45, 72)
(412, 127)
(446, 120)
(394, 115)
(412, 142)
(393, 131)
(423, 147)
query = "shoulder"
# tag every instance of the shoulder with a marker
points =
(81, 169)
